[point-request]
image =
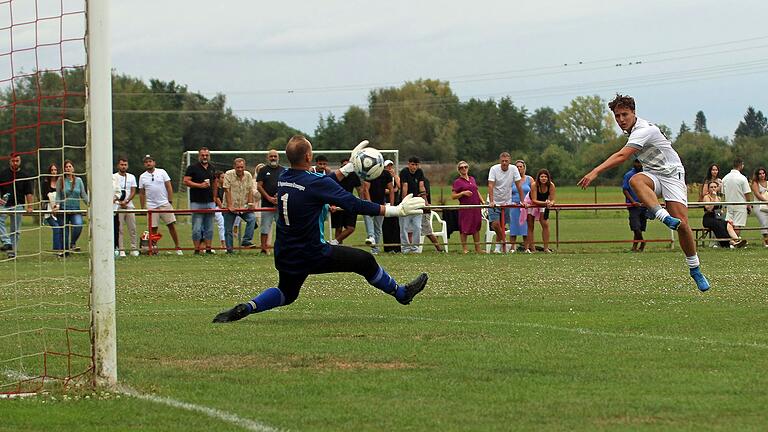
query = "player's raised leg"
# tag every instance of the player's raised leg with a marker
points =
(675, 216)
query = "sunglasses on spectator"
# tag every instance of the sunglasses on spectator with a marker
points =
(464, 166)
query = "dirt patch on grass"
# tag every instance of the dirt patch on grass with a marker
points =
(284, 364)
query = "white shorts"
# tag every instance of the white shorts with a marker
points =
(736, 214)
(671, 188)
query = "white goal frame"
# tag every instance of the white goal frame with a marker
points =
(99, 168)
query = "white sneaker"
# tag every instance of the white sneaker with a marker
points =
(498, 249)
(179, 252)
(117, 253)
(370, 241)
(122, 254)
(135, 253)
(333, 242)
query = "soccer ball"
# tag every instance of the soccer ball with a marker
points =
(368, 163)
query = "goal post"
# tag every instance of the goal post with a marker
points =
(99, 168)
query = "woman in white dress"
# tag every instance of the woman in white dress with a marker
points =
(760, 191)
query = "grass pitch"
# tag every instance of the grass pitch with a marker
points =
(569, 341)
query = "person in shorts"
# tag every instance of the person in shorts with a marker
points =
(663, 175)
(156, 193)
(501, 177)
(736, 189)
(266, 181)
(637, 217)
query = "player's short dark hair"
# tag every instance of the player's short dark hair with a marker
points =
(321, 158)
(737, 162)
(298, 146)
(622, 101)
(413, 159)
(122, 159)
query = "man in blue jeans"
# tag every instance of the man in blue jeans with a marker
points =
(15, 195)
(238, 195)
(202, 182)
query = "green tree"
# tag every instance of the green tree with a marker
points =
(330, 133)
(357, 126)
(419, 118)
(698, 151)
(683, 129)
(700, 124)
(584, 120)
(545, 130)
(754, 124)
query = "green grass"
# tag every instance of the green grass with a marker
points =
(572, 341)
(587, 339)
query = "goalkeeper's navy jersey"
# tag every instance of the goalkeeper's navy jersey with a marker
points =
(301, 196)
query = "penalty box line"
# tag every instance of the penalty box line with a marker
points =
(247, 424)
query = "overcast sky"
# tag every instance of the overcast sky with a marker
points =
(295, 60)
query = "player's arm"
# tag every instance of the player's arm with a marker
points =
(391, 192)
(404, 189)
(142, 197)
(613, 160)
(28, 199)
(365, 191)
(491, 185)
(169, 189)
(519, 185)
(552, 194)
(628, 196)
(331, 192)
(228, 196)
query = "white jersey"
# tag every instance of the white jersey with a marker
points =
(502, 189)
(655, 150)
(154, 187)
(735, 186)
(125, 183)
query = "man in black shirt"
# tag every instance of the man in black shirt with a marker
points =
(266, 181)
(343, 220)
(411, 182)
(202, 182)
(15, 191)
(380, 191)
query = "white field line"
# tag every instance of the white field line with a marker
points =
(234, 419)
(576, 330)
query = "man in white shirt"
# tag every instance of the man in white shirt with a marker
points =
(662, 175)
(126, 182)
(500, 179)
(736, 189)
(156, 192)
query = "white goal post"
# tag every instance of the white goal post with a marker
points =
(99, 142)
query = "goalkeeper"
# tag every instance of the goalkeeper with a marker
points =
(300, 249)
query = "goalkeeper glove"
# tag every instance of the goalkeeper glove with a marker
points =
(409, 206)
(349, 168)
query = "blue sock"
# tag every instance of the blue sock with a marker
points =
(268, 299)
(383, 281)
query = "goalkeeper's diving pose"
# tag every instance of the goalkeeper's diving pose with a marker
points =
(300, 249)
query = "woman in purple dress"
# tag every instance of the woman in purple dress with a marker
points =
(465, 190)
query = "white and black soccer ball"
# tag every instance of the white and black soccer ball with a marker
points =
(368, 163)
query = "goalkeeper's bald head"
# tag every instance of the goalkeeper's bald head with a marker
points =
(299, 151)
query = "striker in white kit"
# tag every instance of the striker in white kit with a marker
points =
(661, 162)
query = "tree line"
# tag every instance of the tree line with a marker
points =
(422, 118)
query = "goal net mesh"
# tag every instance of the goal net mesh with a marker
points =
(45, 319)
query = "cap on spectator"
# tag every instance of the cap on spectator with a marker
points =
(388, 163)
(148, 157)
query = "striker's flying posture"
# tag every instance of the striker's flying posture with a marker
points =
(663, 175)
(299, 246)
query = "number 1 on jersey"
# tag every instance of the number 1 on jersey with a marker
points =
(284, 199)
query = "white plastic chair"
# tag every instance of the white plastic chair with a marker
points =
(443, 233)
(490, 235)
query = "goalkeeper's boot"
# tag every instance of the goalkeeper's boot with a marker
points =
(671, 222)
(236, 313)
(700, 279)
(412, 288)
